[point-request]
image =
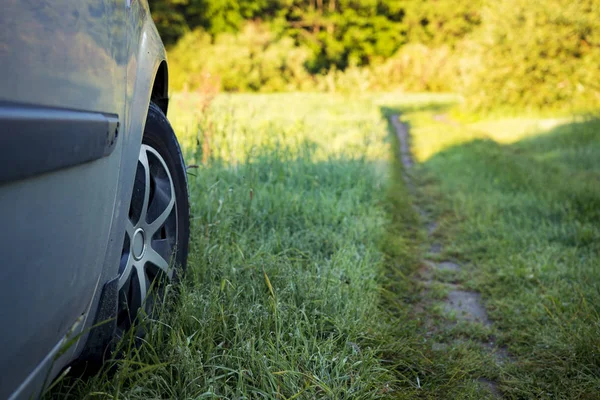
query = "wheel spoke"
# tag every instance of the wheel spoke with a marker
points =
(146, 165)
(156, 259)
(143, 282)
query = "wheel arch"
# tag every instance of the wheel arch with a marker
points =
(160, 87)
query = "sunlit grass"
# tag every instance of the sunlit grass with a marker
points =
(305, 241)
(282, 296)
(333, 125)
(518, 203)
(435, 130)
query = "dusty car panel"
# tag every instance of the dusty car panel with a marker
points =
(87, 65)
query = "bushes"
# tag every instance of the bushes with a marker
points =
(519, 54)
(420, 68)
(253, 60)
(339, 33)
(538, 55)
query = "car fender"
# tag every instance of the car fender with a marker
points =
(147, 54)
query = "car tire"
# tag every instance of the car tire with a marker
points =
(155, 247)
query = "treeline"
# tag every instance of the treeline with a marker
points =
(503, 53)
(339, 33)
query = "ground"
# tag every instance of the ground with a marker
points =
(332, 257)
(512, 205)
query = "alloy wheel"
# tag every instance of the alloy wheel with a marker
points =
(150, 239)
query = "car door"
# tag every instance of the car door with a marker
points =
(62, 90)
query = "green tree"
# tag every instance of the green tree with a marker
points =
(176, 17)
(538, 55)
(338, 32)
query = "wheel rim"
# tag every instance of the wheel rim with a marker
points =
(150, 239)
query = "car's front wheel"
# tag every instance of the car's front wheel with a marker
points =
(157, 232)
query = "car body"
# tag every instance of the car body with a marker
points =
(76, 81)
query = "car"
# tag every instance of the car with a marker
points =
(94, 205)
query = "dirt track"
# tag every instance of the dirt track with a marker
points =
(462, 304)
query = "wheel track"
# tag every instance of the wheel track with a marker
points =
(466, 305)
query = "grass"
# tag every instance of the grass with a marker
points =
(519, 205)
(283, 293)
(306, 248)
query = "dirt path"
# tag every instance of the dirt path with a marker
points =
(460, 304)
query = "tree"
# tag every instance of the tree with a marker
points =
(339, 32)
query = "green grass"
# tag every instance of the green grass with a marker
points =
(283, 293)
(519, 205)
(305, 251)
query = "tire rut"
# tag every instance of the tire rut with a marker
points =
(465, 305)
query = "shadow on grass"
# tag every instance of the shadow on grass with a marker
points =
(288, 264)
(526, 218)
(434, 107)
(281, 297)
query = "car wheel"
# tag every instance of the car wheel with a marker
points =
(157, 232)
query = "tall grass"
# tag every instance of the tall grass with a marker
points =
(282, 296)
(518, 203)
(305, 248)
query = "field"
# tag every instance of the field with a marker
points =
(518, 205)
(306, 248)
(282, 294)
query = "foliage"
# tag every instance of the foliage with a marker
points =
(253, 60)
(509, 54)
(339, 33)
(541, 54)
(257, 60)
(420, 68)
(442, 22)
(176, 17)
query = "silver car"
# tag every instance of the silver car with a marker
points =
(93, 194)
